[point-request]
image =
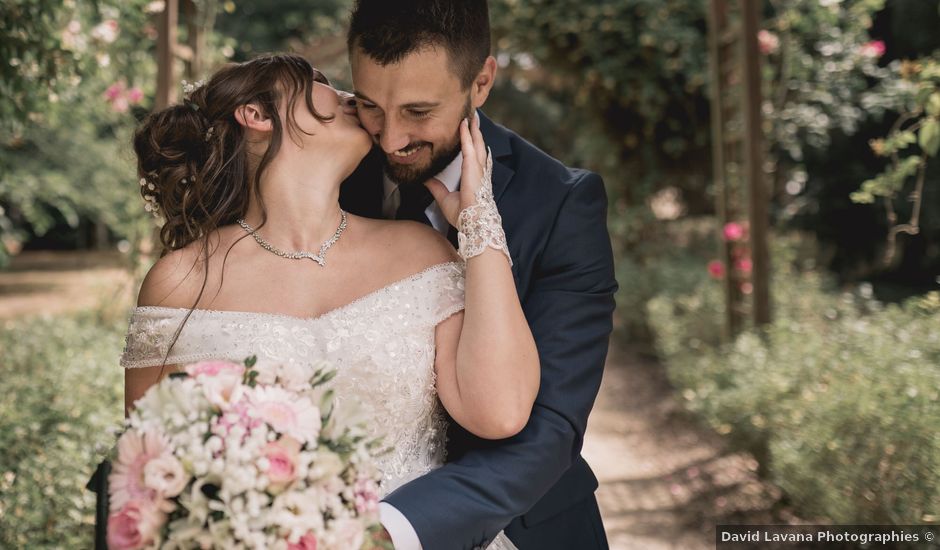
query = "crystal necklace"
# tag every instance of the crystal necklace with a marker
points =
(300, 255)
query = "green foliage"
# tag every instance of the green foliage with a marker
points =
(72, 158)
(838, 398)
(62, 393)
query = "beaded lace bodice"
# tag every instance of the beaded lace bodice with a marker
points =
(382, 346)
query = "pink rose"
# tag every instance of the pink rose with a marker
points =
(282, 458)
(733, 231)
(716, 269)
(768, 42)
(135, 95)
(306, 542)
(114, 91)
(134, 526)
(213, 368)
(875, 48)
(744, 265)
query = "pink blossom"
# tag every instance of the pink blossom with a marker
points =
(120, 105)
(114, 91)
(165, 475)
(747, 288)
(716, 269)
(135, 95)
(744, 265)
(212, 368)
(733, 231)
(282, 458)
(126, 482)
(286, 413)
(306, 542)
(366, 495)
(875, 49)
(236, 415)
(349, 532)
(768, 42)
(135, 526)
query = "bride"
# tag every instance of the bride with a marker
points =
(259, 259)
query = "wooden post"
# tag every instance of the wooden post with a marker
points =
(166, 55)
(718, 34)
(754, 163)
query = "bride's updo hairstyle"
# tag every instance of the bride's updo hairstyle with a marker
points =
(195, 166)
(193, 160)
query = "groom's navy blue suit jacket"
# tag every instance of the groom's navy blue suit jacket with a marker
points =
(534, 485)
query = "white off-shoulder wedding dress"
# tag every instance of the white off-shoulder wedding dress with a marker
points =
(382, 346)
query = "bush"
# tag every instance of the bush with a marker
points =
(839, 398)
(62, 391)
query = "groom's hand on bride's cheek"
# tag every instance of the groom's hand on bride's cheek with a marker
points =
(377, 538)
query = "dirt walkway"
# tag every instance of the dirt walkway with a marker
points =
(664, 481)
(49, 283)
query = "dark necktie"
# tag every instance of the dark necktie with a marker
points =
(415, 198)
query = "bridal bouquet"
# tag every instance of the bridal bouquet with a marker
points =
(226, 456)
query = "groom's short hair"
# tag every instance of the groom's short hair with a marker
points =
(389, 30)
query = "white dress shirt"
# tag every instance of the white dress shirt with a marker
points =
(399, 528)
(449, 176)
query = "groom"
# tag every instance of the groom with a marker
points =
(419, 67)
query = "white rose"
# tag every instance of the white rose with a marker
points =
(165, 475)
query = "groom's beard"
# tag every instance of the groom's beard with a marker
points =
(441, 157)
(407, 174)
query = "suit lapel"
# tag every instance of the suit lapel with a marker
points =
(497, 140)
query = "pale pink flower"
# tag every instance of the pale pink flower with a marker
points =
(126, 482)
(306, 542)
(733, 231)
(716, 269)
(282, 458)
(366, 496)
(768, 42)
(136, 525)
(165, 475)
(874, 49)
(120, 105)
(286, 413)
(135, 95)
(744, 265)
(223, 390)
(212, 368)
(236, 415)
(747, 288)
(106, 32)
(348, 532)
(114, 91)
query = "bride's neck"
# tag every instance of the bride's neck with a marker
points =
(302, 207)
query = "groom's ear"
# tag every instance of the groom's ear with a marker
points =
(252, 117)
(483, 83)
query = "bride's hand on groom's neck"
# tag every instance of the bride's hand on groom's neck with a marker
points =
(474, 152)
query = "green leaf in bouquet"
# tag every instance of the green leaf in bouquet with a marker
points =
(251, 378)
(929, 137)
(326, 404)
(250, 361)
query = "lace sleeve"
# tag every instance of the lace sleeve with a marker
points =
(480, 226)
(448, 293)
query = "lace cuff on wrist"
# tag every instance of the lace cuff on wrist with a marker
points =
(480, 226)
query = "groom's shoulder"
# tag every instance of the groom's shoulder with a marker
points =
(536, 169)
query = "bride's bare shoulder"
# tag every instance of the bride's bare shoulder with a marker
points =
(177, 278)
(415, 244)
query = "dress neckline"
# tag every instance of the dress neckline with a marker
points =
(407, 279)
